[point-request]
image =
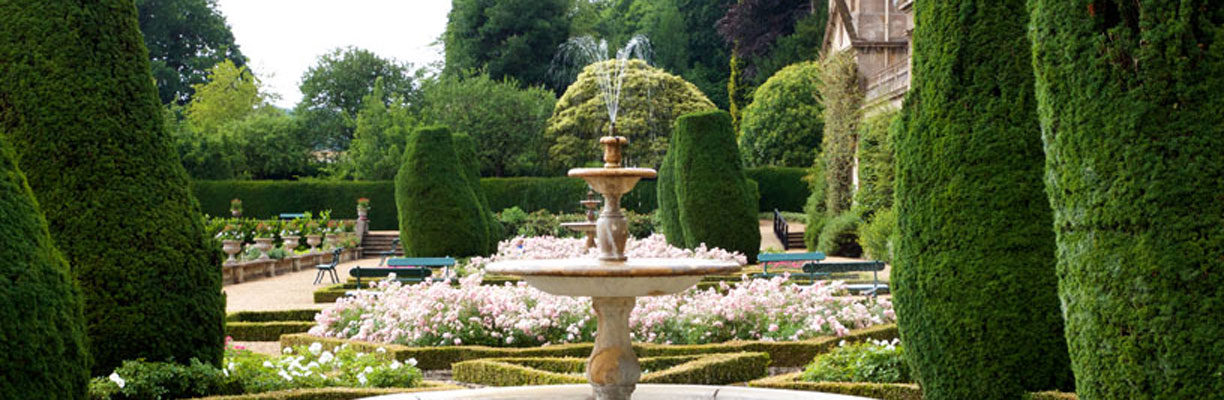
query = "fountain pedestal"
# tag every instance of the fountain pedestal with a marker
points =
(613, 369)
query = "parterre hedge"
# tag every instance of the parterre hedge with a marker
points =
(1132, 113)
(269, 316)
(269, 331)
(80, 107)
(336, 393)
(705, 369)
(974, 279)
(782, 354)
(882, 391)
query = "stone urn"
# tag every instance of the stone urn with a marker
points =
(264, 245)
(313, 241)
(363, 214)
(291, 243)
(231, 247)
(333, 240)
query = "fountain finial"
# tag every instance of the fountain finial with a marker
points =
(612, 150)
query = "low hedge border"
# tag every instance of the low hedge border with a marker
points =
(783, 354)
(883, 391)
(268, 331)
(275, 315)
(707, 369)
(335, 393)
(329, 294)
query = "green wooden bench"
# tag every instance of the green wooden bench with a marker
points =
(806, 258)
(814, 268)
(407, 270)
(291, 216)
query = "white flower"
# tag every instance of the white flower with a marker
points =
(412, 362)
(287, 350)
(285, 375)
(381, 350)
(841, 344)
(326, 357)
(316, 348)
(231, 366)
(268, 364)
(396, 365)
(361, 378)
(369, 370)
(114, 377)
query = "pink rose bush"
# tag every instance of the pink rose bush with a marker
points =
(548, 247)
(517, 315)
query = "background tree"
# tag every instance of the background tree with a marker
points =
(1133, 126)
(231, 94)
(378, 143)
(752, 28)
(708, 52)
(506, 38)
(84, 118)
(43, 352)
(333, 90)
(783, 125)
(505, 122)
(650, 102)
(842, 98)
(272, 146)
(975, 289)
(185, 38)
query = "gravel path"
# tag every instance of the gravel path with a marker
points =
(291, 291)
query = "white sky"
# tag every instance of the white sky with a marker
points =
(282, 38)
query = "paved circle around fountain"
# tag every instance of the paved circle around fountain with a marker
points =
(643, 392)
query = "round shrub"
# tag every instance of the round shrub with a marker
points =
(439, 213)
(1133, 124)
(974, 279)
(650, 101)
(783, 126)
(716, 203)
(839, 235)
(162, 380)
(43, 352)
(81, 110)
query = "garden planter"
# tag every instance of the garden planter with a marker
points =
(263, 244)
(231, 247)
(333, 240)
(313, 241)
(291, 242)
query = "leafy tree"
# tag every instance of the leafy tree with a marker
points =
(783, 125)
(754, 25)
(506, 123)
(506, 38)
(708, 52)
(378, 143)
(1132, 121)
(974, 278)
(801, 45)
(85, 120)
(231, 94)
(185, 39)
(650, 102)
(272, 146)
(842, 97)
(876, 163)
(43, 352)
(333, 90)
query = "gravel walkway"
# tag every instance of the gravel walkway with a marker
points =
(291, 291)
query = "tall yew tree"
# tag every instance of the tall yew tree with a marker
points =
(80, 107)
(1132, 115)
(976, 292)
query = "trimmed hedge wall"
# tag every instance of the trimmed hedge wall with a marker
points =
(782, 354)
(974, 281)
(440, 213)
(1130, 96)
(43, 350)
(882, 391)
(80, 107)
(269, 331)
(336, 393)
(782, 188)
(707, 369)
(269, 316)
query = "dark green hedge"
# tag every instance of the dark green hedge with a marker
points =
(974, 280)
(269, 331)
(706, 369)
(882, 391)
(714, 198)
(43, 349)
(782, 188)
(1130, 95)
(267, 199)
(782, 354)
(275, 315)
(439, 212)
(80, 107)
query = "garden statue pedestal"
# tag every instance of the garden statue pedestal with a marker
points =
(264, 245)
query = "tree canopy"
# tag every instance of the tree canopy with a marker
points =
(333, 90)
(185, 38)
(507, 38)
(505, 122)
(231, 93)
(783, 126)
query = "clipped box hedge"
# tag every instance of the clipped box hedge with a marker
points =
(882, 391)
(782, 354)
(336, 393)
(268, 331)
(274, 315)
(782, 188)
(706, 369)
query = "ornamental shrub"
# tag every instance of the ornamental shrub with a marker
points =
(1133, 125)
(81, 109)
(669, 209)
(879, 237)
(43, 352)
(842, 97)
(650, 101)
(872, 361)
(439, 213)
(814, 208)
(782, 188)
(716, 204)
(839, 235)
(974, 274)
(783, 126)
(465, 147)
(875, 163)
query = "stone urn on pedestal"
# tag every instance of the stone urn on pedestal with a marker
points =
(231, 248)
(313, 241)
(290, 244)
(264, 245)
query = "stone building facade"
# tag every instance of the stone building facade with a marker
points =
(879, 32)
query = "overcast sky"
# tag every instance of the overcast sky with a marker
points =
(282, 38)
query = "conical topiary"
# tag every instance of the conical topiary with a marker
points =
(439, 213)
(43, 330)
(974, 277)
(669, 210)
(80, 108)
(1131, 99)
(716, 203)
(465, 147)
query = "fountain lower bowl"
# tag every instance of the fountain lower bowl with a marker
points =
(582, 277)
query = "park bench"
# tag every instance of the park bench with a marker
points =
(290, 216)
(389, 253)
(407, 270)
(814, 268)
